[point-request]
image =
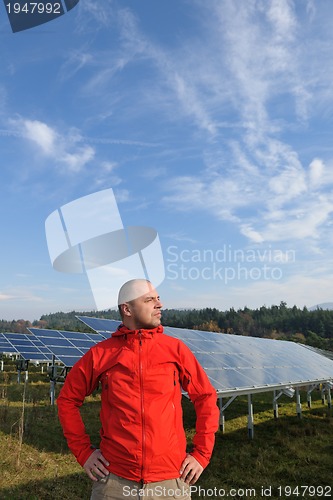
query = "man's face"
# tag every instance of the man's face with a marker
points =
(145, 311)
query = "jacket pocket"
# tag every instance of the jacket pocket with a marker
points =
(161, 379)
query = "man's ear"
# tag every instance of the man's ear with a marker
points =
(126, 309)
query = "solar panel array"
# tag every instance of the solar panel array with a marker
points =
(42, 345)
(67, 347)
(237, 364)
(27, 346)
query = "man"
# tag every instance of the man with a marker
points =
(141, 371)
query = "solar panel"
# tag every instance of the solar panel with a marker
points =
(323, 352)
(67, 347)
(237, 364)
(29, 347)
(100, 325)
(5, 346)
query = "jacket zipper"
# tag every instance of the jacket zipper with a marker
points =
(142, 406)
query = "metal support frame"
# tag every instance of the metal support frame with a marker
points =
(298, 403)
(250, 425)
(328, 387)
(275, 404)
(221, 420)
(308, 397)
(22, 365)
(287, 391)
(222, 408)
(56, 373)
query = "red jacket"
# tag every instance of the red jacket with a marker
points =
(141, 374)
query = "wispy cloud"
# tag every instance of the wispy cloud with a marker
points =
(21, 294)
(171, 78)
(106, 175)
(5, 296)
(257, 179)
(92, 15)
(63, 148)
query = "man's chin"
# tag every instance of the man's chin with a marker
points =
(153, 324)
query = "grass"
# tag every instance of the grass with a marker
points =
(287, 452)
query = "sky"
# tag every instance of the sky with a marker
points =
(211, 121)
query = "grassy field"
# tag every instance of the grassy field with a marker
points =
(285, 454)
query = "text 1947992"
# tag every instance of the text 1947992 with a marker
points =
(34, 8)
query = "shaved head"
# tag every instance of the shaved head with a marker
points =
(133, 289)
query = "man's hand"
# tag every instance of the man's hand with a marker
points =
(190, 470)
(94, 466)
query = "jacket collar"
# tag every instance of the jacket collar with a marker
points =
(123, 330)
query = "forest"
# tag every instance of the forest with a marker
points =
(312, 327)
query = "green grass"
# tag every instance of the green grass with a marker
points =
(285, 452)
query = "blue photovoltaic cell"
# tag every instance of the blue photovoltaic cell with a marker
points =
(84, 343)
(60, 342)
(100, 325)
(41, 332)
(67, 347)
(72, 335)
(84, 349)
(70, 351)
(69, 361)
(96, 336)
(237, 363)
(27, 346)
(5, 346)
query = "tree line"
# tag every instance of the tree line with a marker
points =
(312, 327)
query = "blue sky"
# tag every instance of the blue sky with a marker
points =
(210, 120)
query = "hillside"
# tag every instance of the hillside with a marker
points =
(312, 327)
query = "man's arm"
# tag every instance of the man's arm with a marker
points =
(79, 383)
(203, 395)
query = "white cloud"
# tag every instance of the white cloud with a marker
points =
(122, 195)
(65, 149)
(75, 62)
(105, 175)
(109, 166)
(284, 207)
(5, 296)
(251, 234)
(316, 172)
(298, 224)
(21, 294)
(289, 184)
(171, 81)
(256, 178)
(41, 134)
(76, 161)
(282, 17)
(181, 236)
(154, 173)
(92, 16)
